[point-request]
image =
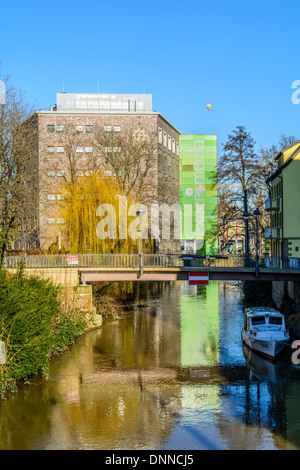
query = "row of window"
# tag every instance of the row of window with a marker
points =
(51, 197)
(87, 128)
(60, 128)
(53, 220)
(88, 149)
(56, 173)
(61, 149)
(110, 128)
(168, 142)
(276, 219)
(163, 138)
(276, 190)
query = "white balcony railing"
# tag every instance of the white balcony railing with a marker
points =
(272, 204)
(272, 232)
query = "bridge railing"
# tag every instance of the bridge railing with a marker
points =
(93, 260)
(222, 262)
(149, 260)
(282, 263)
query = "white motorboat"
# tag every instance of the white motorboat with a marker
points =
(264, 331)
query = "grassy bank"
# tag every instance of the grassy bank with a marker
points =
(33, 327)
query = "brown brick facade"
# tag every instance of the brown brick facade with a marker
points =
(53, 159)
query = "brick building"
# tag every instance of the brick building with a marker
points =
(65, 135)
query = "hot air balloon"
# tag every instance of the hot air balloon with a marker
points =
(208, 106)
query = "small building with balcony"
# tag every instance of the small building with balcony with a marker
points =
(284, 204)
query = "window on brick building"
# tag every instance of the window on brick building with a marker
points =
(60, 221)
(50, 149)
(79, 128)
(59, 197)
(117, 128)
(50, 128)
(60, 173)
(59, 128)
(51, 197)
(51, 220)
(177, 149)
(79, 149)
(51, 173)
(107, 128)
(169, 143)
(88, 128)
(60, 150)
(159, 135)
(89, 149)
(165, 139)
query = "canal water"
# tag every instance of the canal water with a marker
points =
(171, 374)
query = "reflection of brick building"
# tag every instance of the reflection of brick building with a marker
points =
(82, 113)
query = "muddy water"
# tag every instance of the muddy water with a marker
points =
(170, 374)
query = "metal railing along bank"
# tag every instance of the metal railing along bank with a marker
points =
(149, 260)
(92, 260)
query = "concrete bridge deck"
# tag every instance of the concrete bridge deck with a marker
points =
(88, 275)
(81, 269)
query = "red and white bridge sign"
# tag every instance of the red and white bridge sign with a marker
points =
(198, 278)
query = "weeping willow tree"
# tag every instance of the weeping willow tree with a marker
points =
(86, 203)
(98, 218)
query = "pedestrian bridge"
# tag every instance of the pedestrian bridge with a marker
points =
(73, 270)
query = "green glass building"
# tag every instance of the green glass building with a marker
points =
(198, 193)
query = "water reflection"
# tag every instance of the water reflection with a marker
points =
(171, 374)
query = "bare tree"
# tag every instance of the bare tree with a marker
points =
(131, 158)
(18, 169)
(239, 166)
(72, 156)
(228, 211)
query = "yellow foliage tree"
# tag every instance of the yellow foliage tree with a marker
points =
(80, 210)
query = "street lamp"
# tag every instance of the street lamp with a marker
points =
(246, 216)
(256, 214)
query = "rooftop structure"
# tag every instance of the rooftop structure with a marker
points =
(100, 102)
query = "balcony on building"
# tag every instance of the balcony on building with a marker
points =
(272, 232)
(272, 204)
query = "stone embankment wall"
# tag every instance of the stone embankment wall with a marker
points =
(287, 292)
(286, 295)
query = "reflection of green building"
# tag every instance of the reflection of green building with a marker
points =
(200, 326)
(198, 192)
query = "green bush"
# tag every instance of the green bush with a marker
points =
(33, 326)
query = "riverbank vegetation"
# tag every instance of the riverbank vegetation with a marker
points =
(33, 327)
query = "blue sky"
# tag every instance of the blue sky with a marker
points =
(240, 57)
